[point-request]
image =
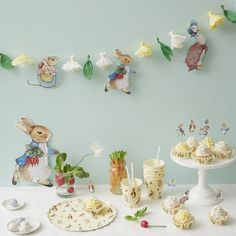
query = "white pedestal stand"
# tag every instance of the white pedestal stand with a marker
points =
(201, 194)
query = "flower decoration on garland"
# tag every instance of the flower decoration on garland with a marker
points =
(145, 50)
(230, 15)
(88, 69)
(166, 50)
(197, 51)
(103, 62)
(71, 65)
(176, 40)
(22, 60)
(215, 20)
(5, 61)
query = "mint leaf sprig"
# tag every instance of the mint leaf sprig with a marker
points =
(137, 215)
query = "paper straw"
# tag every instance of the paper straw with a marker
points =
(158, 153)
(127, 170)
(132, 173)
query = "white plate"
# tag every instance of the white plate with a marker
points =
(35, 224)
(70, 216)
(11, 208)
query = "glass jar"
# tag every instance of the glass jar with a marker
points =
(65, 185)
(117, 174)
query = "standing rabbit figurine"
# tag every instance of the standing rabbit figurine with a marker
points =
(119, 79)
(33, 165)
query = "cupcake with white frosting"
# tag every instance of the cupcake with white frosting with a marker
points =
(183, 219)
(93, 205)
(203, 154)
(218, 215)
(171, 205)
(222, 150)
(182, 150)
(208, 141)
(192, 143)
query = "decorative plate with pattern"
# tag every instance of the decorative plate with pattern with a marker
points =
(69, 215)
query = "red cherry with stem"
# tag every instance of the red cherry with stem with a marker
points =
(144, 224)
(70, 189)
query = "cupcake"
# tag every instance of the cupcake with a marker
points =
(183, 219)
(218, 215)
(203, 154)
(182, 150)
(208, 141)
(171, 205)
(222, 150)
(93, 206)
(192, 143)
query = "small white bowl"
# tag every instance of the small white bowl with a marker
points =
(33, 222)
(13, 208)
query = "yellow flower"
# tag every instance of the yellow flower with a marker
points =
(22, 60)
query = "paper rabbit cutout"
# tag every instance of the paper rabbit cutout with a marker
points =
(119, 79)
(33, 166)
(46, 72)
(198, 50)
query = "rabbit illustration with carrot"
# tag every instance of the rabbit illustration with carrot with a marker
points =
(33, 165)
(119, 79)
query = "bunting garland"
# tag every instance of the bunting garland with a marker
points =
(193, 60)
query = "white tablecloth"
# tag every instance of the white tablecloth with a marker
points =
(39, 199)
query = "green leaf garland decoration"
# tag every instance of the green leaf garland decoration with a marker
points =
(5, 62)
(166, 50)
(88, 69)
(230, 15)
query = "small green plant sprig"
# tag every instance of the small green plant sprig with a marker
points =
(118, 155)
(139, 213)
(67, 169)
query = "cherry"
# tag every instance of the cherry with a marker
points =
(144, 224)
(70, 189)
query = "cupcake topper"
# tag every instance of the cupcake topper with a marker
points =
(171, 183)
(224, 128)
(219, 195)
(192, 126)
(185, 198)
(180, 130)
(204, 130)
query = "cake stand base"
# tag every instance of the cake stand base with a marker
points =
(202, 194)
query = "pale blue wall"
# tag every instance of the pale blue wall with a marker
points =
(79, 112)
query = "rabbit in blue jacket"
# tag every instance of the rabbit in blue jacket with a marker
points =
(33, 165)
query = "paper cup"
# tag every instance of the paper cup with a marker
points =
(154, 177)
(131, 194)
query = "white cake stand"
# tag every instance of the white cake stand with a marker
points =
(202, 194)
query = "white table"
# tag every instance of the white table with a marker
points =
(40, 199)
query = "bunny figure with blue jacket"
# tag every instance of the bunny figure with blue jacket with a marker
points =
(33, 166)
(119, 79)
